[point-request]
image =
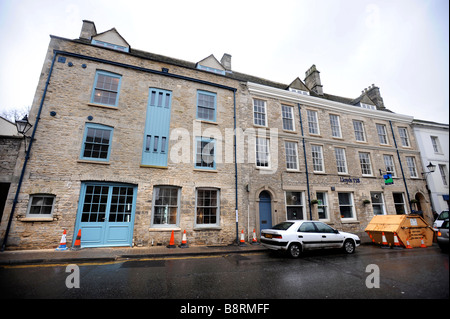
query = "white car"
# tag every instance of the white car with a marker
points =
(294, 236)
(440, 220)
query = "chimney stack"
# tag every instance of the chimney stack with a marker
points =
(226, 61)
(373, 92)
(88, 30)
(312, 80)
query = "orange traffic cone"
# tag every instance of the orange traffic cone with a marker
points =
(77, 245)
(254, 240)
(408, 246)
(62, 243)
(184, 241)
(422, 244)
(397, 242)
(172, 241)
(384, 243)
(242, 242)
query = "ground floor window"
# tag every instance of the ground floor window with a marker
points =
(294, 205)
(377, 203)
(40, 205)
(207, 207)
(399, 202)
(165, 205)
(346, 206)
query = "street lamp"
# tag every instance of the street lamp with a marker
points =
(23, 125)
(431, 168)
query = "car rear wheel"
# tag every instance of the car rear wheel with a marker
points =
(349, 246)
(294, 250)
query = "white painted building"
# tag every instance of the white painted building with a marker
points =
(433, 142)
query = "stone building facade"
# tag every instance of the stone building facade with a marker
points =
(129, 146)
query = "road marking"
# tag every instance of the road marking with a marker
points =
(119, 261)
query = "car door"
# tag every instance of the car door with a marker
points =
(329, 237)
(309, 237)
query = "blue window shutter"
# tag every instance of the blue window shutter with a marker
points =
(157, 128)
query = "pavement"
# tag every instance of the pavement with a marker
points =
(108, 254)
(84, 255)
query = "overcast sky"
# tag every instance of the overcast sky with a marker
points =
(401, 46)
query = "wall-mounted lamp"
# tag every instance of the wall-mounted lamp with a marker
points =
(431, 168)
(23, 126)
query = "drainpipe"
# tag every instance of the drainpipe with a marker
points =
(27, 156)
(401, 167)
(306, 162)
(235, 169)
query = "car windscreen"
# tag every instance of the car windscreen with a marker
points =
(283, 226)
(443, 215)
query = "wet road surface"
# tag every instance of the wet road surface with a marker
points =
(413, 273)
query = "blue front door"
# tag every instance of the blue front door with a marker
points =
(265, 211)
(106, 214)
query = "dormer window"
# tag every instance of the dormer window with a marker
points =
(209, 69)
(110, 45)
(299, 91)
(367, 106)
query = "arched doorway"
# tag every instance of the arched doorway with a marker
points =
(265, 210)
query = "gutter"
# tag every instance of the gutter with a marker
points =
(306, 162)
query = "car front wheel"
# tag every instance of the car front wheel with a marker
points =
(294, 250)
(349, 246)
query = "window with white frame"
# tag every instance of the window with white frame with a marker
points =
(41, 205)
(436, 144)
(205, 153)
(206, 106)
(377, 203)
(382, 134)
(313, 123)
(404, 138)
(166, 203)
(288, 117)
(341, 161)
(207, 207)
(389, 164)
(294, 205)
(259, 112)
(322, 205)
(317, 157)
(262, 152)
(399, 203)
(291, 155)
(411, 163)
(444, 174)
(358, 127)
(346, 207)
(335, 126)
(364, 160)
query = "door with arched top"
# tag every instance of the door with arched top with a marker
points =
(265, 210)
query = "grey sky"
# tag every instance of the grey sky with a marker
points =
(402, 46)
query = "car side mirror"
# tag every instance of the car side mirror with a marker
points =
(336, 231)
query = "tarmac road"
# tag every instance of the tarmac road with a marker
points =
(413, 273)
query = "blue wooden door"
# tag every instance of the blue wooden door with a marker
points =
(265, 211)
(106, 214)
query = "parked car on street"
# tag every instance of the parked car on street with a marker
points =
(442, 235)
(295, 236)
(440, 219)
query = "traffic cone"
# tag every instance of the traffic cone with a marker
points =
(422, 244)
(172, 241)
(77, 245)
(184, 241)
(408, 245)
(254, 240)
(384, 243)
(242, 242)
(397, 242)
(62, 243)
